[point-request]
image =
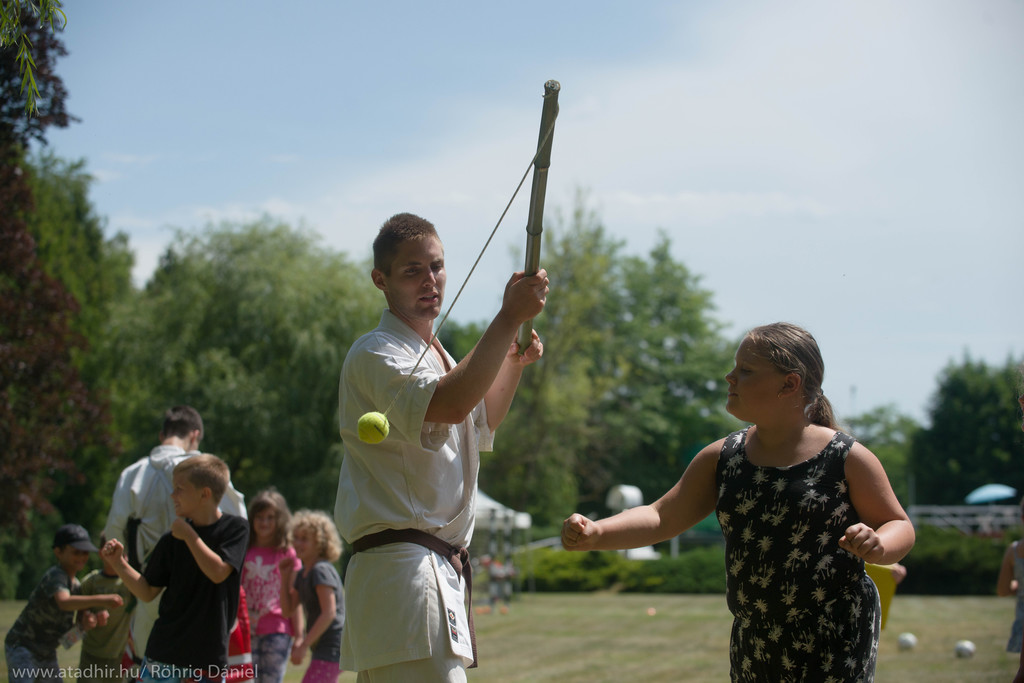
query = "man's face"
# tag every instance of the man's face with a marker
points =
(414, 289)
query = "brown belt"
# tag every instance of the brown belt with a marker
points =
(457, 557)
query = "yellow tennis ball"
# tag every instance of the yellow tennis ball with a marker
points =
(373, 428)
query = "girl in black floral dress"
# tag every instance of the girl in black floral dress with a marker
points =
(801, 506)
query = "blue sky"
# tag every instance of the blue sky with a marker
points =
(856, 168)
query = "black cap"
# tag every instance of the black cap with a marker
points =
(74, 536)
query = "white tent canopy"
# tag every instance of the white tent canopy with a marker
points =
(490, 514)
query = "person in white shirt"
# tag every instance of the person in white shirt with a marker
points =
(406, 504)
(141, 510)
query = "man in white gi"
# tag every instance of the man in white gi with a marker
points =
(407, 503)
(141, 510)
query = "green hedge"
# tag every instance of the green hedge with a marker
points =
(561, 571)
(700, 570)
(943, 562)
(946, 562)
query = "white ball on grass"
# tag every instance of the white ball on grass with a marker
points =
(907, 641)
(964, 649)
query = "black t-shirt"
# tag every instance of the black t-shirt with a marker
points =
(196, 614)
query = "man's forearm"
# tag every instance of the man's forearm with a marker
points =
(468, 383)
(502, 392)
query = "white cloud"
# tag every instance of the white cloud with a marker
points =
(103, 175)
(131, 159)
(714, 207)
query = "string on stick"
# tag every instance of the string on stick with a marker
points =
(373, 426)
(465, 282)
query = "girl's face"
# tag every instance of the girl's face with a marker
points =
(264, 524)
(305, 546)
(753, 383)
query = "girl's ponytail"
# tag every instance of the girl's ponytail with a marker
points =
(820, 412)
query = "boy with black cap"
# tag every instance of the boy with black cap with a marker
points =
(31, 644)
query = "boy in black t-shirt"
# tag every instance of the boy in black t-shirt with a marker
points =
(198, 566)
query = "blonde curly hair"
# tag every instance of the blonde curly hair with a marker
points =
(321, 527)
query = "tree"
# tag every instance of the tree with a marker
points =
(534, 463)
(71, 240)
(72, 248)
(974, 437)
(250, 324)
(627, 389)
(47, 412)
(671, 359)
(888, 434)
(18, 18)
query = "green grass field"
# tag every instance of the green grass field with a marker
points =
(595, 638)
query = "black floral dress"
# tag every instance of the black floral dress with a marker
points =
(803, 608)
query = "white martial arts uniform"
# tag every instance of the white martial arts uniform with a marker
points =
(399, 597)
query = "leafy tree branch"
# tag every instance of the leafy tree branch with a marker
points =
(14, 16)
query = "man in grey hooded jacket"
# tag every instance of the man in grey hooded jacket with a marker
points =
(141, 510)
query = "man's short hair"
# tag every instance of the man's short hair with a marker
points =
(181, 421)
(400, 228)
(205, 470)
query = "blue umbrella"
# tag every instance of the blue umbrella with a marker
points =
(990, 493)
